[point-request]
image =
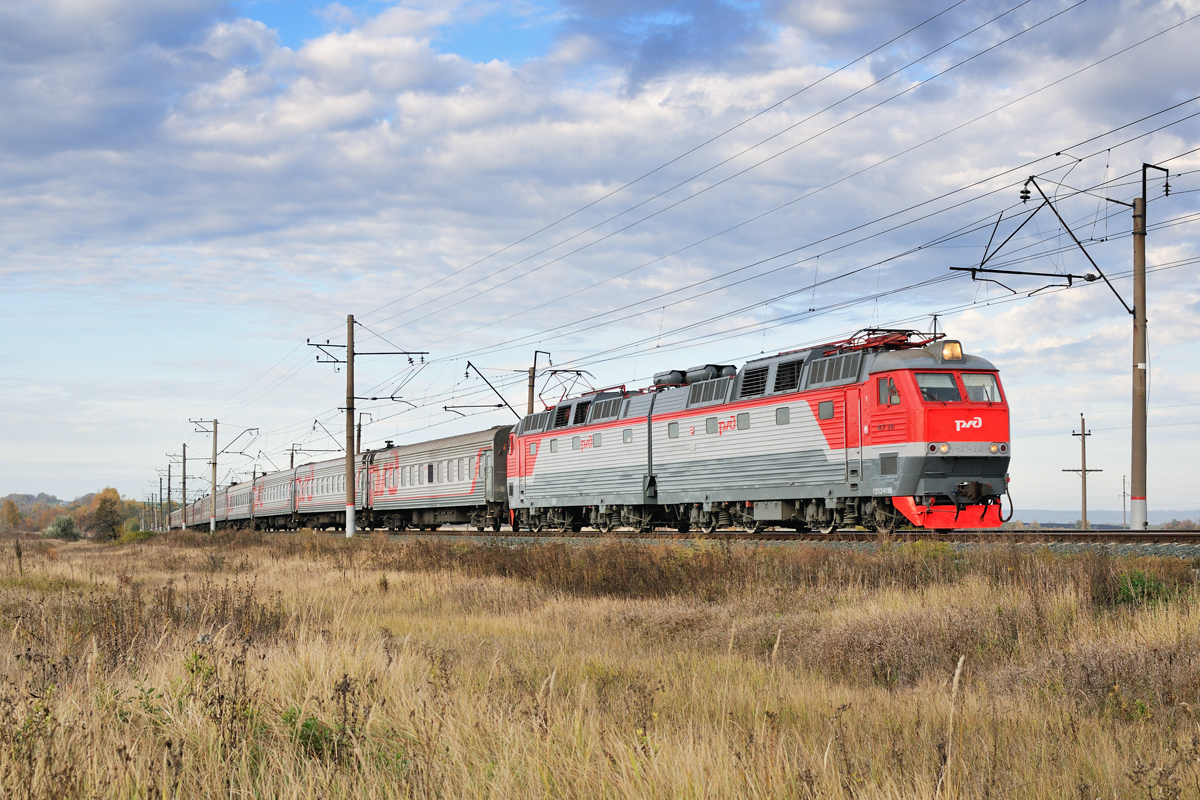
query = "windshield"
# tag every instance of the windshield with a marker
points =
(938, 387)
(981, 388)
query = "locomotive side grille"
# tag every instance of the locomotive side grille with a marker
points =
(787, 375)
(754, 382)
(562, 416)
(708, 392)
(606, 409)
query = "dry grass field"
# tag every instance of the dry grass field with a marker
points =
(309, 666)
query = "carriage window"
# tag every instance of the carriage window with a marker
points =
(554, 445)
(981, 387)
(429, 470)
(938, 387)
(710, 425)
(672, 430)
(783, 416)
(627, 435)
(743, 421)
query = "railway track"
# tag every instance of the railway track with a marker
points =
(969, 536)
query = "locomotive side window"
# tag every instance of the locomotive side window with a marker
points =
(981, 387)
(672, 430)
(743, 421)
(825, 409)
(596, 439)
(533, 448)
(938, 387)
(889, 395)
(627, 435)
(710, 425)
(554, 445)
(783, 415)
(574, 442)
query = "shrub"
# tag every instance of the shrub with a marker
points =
(1137, 587)
(63, 527)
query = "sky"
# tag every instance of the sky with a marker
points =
(189, 192)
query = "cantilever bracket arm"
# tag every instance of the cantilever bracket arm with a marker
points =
(1079, 244)
(493, 388)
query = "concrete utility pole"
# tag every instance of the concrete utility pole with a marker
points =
(184, 510)
(1137, 472)
(1083, 470)
(331, 358)
(159, 526)
(350, 426)
(533, 378)
(168, 495)
(212, 504)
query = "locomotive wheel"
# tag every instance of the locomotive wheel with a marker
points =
(827, 528)
(496, 526)
(535, 524)
(709, 526)
(683, 527)
(576, 527)
(604, 523)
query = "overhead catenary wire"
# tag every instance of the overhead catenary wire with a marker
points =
(739, 173)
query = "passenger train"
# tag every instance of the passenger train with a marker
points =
(886, 429)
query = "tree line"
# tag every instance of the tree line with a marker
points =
(103, 515)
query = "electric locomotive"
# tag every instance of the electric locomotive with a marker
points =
(887, 428)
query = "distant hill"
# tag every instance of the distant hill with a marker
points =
(26, 502)
(1100, 516)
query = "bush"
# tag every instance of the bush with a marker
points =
(63, 527)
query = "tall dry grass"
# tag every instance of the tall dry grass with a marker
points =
(309, 666)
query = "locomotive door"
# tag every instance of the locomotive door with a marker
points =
(853, 435)
(521, 453)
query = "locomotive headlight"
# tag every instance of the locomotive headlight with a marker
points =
(943, 448)
(995, 448)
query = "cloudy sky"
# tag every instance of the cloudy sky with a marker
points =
(190, 190)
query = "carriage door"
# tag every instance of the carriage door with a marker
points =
(853, 434)
(487, 475)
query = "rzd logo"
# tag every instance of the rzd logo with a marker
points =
(976, 422)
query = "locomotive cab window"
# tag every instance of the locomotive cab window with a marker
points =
(938, 387)
(981, 387)
(889, 395)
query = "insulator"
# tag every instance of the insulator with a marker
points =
(1024, 195)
